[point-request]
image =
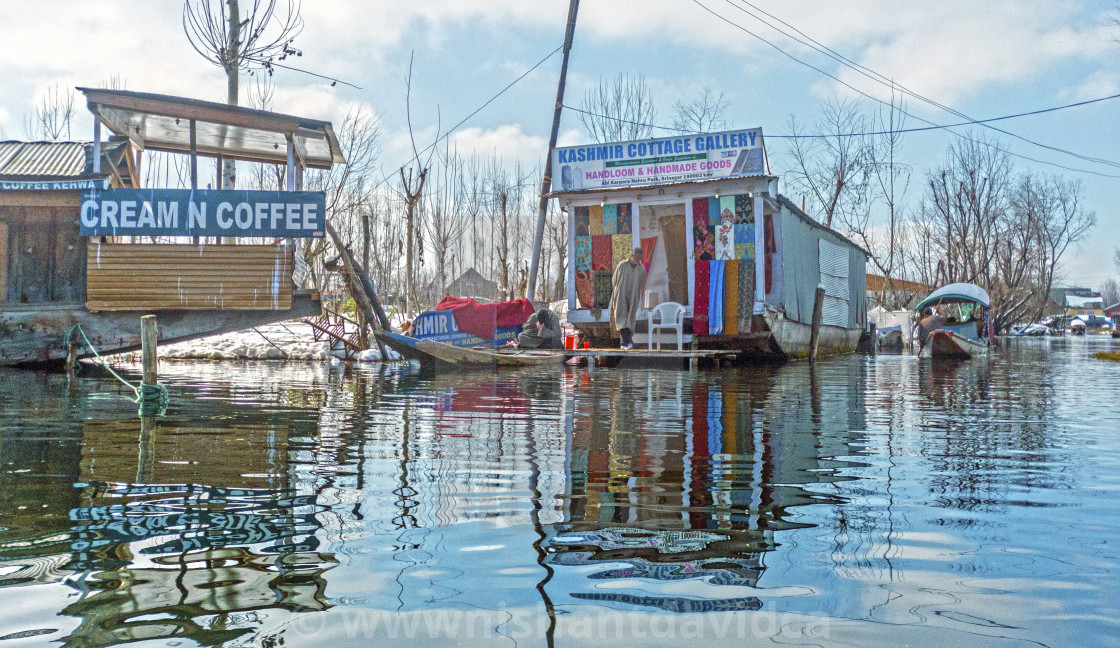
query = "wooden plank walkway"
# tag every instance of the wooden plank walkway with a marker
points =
(651, 354)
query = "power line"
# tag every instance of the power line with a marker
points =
(879, 78)
(476, 111)
(890, 132)
(880, 101)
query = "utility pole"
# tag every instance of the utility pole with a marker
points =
(546, 183)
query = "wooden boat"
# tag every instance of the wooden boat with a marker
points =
(946, 343)
(971, 337)
(431, 352)
(491, 357)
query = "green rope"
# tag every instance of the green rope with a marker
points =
(146, 395)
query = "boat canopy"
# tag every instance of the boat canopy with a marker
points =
(957, 293)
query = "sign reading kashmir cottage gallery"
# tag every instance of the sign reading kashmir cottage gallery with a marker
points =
(685, 158)
(187, 212)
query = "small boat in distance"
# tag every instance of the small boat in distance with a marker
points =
(963, 325)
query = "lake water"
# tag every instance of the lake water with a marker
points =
(875, 501)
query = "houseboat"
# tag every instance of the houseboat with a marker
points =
(83, 243)
(716, 238)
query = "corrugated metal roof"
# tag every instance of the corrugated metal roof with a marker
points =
(44, 159)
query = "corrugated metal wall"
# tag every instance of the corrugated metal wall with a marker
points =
(801, 266)
(188, 277)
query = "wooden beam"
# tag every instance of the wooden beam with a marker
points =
(116, 122)
(211, 115)
(96, 138)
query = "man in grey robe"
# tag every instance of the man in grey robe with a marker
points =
(626, 296)
(541, 331)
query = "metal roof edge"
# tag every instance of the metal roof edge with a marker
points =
(788, 204)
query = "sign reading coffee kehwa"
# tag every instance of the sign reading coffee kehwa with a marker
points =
(187, 212)
(684, 158)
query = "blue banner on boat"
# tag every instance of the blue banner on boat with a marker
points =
(439, 326)
(189, 212)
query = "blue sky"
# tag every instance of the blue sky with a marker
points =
(985, 59)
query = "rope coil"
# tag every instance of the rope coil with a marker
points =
(147, 395)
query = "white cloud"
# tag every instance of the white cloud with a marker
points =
(1102, 83)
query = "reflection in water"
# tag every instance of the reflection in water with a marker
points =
(871, 500)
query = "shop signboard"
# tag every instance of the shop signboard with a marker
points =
(189, 212)
(683, 158)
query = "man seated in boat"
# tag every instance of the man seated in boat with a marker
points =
(934, 320)
(541, 331)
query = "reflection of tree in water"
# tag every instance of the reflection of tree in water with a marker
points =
(987, 434)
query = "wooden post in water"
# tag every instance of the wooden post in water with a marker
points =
(815, 334)
(148, 335)
(71, 357)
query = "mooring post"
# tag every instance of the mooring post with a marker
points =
(815, 334)
(71, 357)
(148, 335)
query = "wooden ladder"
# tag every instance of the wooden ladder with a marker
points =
(336, 327)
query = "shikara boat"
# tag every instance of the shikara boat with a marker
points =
(489, 357)
(432, 352)
(967, 334)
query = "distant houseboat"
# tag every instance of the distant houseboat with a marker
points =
(716, 237)
(81, 243)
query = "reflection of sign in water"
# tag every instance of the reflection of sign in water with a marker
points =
(201, 517)
(677, 604)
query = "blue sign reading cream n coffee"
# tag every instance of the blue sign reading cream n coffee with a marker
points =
(188, 212)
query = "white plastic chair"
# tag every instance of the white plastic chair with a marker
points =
(667, 315)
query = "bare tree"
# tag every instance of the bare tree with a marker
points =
(979, 223)
(701, 115)
(52, 116)
(831, 165)
(444, 220)
(618, 109)
(1110, 292)
(889, 179)
(238, 41)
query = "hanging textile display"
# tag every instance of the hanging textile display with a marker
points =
(701, 289)
(725, 241)
(731, 298)
(602, 250)
(727, 210)
(610, 219)
(744, 241)
(582, 225)
(585, 289)
(595, 220)
(746, 295)
(676, 257)
(602, 288)
(699, 210)
(715, 298)
(649, 244)
(713, 211)
(625, 221)
(622, 246)
(704, 240)
(744, 209)
(583, 253)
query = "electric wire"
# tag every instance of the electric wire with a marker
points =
(880, 79)
(869, 133)
(880, 101)
(464, 120)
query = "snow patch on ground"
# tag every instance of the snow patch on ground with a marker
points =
(279, 341)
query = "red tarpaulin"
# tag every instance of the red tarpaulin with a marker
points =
(481, 319)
